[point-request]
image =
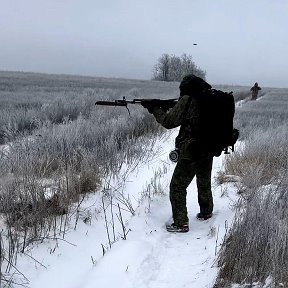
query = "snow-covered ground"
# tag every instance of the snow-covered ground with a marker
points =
(150, 256)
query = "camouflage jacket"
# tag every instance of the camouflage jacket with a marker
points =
(186, 115)
(255, 88)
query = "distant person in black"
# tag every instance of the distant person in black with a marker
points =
(254, 91)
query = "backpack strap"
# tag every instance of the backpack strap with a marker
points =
(179, 139)
(186, 110)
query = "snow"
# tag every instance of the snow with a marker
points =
(150, 256)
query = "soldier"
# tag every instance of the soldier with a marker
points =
(193, 159)
(255, 90)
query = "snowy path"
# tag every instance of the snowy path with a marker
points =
(150, 257)
(154, 258)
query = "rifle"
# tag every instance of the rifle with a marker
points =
(163, 104)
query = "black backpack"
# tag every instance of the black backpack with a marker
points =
(217, 110)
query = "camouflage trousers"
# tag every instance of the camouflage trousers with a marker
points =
(254, 95)
(184, 173)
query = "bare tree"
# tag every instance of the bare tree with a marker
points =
(174, 68)
(176, 72)
(161, 69)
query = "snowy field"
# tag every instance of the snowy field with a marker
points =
(150, 256)
(115, 235)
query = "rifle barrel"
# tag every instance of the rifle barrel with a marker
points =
(158, 102)
(111, 103)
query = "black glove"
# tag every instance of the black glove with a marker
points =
(149, 105)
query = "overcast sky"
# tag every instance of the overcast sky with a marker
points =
(239, 41)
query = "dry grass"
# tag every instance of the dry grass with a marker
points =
(58, 147)
(256, 246)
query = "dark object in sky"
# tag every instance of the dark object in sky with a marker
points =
(194, 43)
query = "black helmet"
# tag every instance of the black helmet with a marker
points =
(191, 84)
